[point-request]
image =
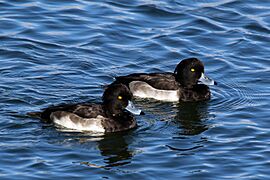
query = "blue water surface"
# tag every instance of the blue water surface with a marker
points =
(66, 51)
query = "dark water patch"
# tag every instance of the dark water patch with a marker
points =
(188, 149)
(152, 10)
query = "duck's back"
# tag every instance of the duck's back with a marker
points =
(161, 81)
(83, 110)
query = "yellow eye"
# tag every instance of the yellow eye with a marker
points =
(120, 97)
(192, 69)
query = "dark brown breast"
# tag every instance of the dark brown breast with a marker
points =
(199, 92)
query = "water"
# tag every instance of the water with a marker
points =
(65, 51)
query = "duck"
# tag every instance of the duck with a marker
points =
(114, 114)
(188, 83)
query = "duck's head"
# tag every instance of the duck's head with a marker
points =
(190, 72)
(117, 100)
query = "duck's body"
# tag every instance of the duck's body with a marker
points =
(163, 87)
(182, 85)
(87, 117)
(109, 116)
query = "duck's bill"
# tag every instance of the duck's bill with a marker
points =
(131, 108)
(206, 80)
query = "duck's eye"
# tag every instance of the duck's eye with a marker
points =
(119, 97)
(192, 70)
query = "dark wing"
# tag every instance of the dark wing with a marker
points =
(82, 110)
(89, 110)
(164, 81)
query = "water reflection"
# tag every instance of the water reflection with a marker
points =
(192, 117)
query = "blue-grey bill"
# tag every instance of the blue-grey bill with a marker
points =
(131, 108)
(206, 80)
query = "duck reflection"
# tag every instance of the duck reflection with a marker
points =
(115, 150)
(192, 117)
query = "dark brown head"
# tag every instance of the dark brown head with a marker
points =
(117, 99)
(190, 72)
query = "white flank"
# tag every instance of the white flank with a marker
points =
(144, 90)
(85, 124)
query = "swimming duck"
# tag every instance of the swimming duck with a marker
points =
(112, 115)
(188, 83)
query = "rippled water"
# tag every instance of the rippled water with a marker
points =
(65, 51)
